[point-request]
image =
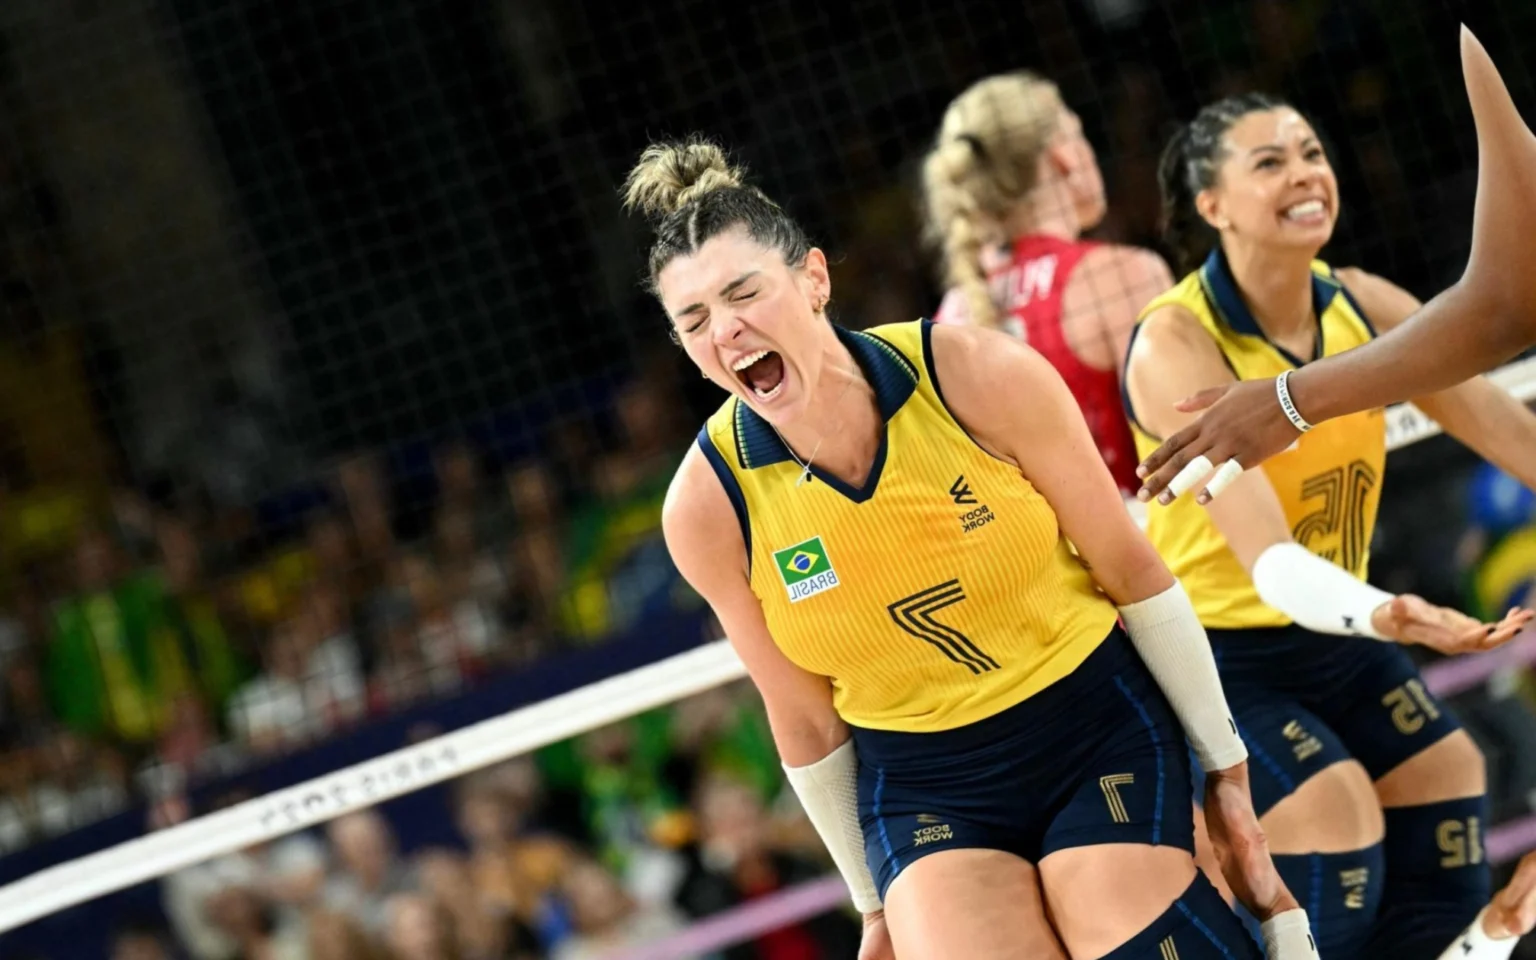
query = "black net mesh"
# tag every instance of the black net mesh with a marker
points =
(329, 391)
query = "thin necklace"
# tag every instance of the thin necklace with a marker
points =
(805, 465)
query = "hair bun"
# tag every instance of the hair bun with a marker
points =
(669, 176)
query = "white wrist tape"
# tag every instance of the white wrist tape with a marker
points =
(1288, 936)
(1316, 594)
(1173, 645)
(1474, 944)
(829, 791)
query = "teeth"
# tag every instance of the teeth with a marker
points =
(770, 394)
(748, 360)
(1306, 208)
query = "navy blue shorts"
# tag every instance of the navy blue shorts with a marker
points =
(1097, 757)
(1304, 701)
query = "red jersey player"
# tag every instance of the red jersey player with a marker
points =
(1010, 186)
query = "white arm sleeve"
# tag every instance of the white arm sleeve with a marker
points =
(1318, 595)
(1173, 645)
(1474, 944)
(829, 791)
(1288, 936)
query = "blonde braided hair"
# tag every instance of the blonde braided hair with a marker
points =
(984, 163)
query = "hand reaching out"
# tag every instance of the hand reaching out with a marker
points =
(1513, 910)
(1410, 619)
(1243, 422)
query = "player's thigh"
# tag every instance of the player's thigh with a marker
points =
(968, 904)
(1449, 769)
(1333, 811)
(1311, 794)
(1119, 850)
(1407, 739)
(1101, 896)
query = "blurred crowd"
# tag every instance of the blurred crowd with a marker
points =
(613, 840)
(151, 639)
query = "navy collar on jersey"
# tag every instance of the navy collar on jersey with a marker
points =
(888, 371)
(1222, 292)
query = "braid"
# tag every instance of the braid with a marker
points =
(984, 165)
(954, 212)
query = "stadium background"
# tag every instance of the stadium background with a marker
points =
(324, 364)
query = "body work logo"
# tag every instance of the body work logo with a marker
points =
(961, 493)
(805, 569)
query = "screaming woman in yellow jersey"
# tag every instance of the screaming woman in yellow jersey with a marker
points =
(881, 521)
(1370, 793)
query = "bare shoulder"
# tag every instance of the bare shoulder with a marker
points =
(997, 387)
(1167, 334)
(1385, 303)
(700, 526)
(1112, 277)
(965, 356)
(1135, 267)
(1173, 356)
(1359, 280)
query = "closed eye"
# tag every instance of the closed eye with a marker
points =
(744, 297)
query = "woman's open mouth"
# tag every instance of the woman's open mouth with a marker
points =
(762, 372)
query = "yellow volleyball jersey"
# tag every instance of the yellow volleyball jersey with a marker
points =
(1328, 482)
(939, 593)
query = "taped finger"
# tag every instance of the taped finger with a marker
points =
(1225, 474)
(1195, 471)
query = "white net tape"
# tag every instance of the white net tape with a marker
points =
(459, 752)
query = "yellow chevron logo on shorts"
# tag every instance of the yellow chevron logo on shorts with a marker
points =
(1111, 786)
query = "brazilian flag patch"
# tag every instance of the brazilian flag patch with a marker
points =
(805, 569)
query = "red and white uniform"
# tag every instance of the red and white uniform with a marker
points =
(1029, 288)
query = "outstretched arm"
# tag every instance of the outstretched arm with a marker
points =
(1486, 317)
(1456, 336)
(1475, 410)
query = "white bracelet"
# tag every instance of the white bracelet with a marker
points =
(1283, 391)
